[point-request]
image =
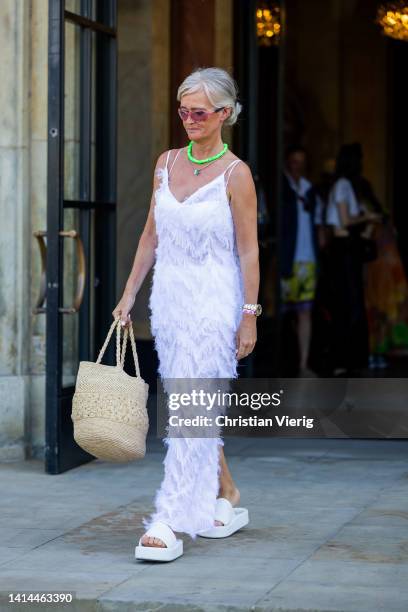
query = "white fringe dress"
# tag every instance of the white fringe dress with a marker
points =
(196, 307)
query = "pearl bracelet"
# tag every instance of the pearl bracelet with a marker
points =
(254, 309)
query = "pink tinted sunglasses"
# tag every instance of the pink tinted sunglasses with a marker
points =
(198, 115)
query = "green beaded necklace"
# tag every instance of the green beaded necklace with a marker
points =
(204, 161)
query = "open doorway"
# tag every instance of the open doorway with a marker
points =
(333, 79)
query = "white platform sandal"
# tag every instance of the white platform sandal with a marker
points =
(233, 519)
(172, 550)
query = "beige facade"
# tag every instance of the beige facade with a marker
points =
(23, 154)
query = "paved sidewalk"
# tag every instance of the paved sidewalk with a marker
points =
(328, 532)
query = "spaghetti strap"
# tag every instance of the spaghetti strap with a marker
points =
(167, 159)
(174, 161)
(232, 165)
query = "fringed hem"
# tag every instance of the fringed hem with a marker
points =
(186, 498)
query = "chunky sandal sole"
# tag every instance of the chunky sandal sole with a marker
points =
(233, 519)
(172, 550)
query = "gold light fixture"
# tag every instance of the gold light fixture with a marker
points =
(268, 23)
(393, 18)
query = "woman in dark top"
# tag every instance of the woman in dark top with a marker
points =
(348, 218)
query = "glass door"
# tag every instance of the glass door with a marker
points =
(81, 208)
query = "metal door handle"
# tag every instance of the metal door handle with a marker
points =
(39, 306)
(81, 277)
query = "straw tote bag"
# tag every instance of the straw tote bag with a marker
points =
(109, 406)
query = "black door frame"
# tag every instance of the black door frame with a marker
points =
(98, 17)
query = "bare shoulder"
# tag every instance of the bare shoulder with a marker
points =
(167, 156)
(161, 160)
(243, 170)
(240, 176)
(240, 169)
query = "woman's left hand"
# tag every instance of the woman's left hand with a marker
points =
(246, 335)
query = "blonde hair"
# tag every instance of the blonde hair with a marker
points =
(220, 88)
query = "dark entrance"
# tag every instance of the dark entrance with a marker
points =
(81, 207)
(259, 136)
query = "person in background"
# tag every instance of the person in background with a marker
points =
(386, 288)
(322, 191)
(348, 218)
(298, 250)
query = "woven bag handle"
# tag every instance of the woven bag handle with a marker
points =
(108, 337)
(124, 342)
(120, 359)
(133, 343)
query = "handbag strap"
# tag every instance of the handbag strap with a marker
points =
(120, 359)
(116, 323)
(124, 342)
(133, 344)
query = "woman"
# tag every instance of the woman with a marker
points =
(299, 251)
(386, 288)
(348, 219)
(201, 233)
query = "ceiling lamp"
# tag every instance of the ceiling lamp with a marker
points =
(268, 23)
(393, 18)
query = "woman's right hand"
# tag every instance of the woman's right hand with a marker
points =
(123, 308)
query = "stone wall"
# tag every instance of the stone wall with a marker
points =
(23, 31)
(38, 217)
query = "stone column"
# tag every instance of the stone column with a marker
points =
(15, 227)
(23, 167)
